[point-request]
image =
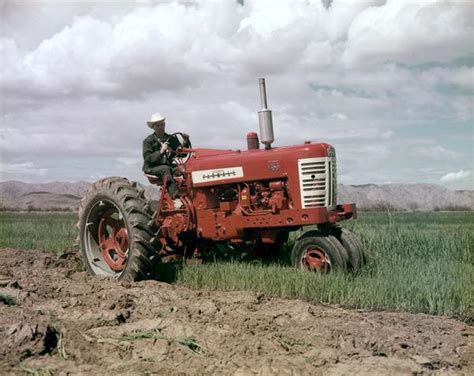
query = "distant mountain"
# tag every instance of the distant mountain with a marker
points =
(16, 195)
(14, 189)
(64, 196)
(44, 201)
(405, 197)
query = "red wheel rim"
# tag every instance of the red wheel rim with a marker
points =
(317, 260)
(113, 240)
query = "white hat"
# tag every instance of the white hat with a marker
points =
(155, 118)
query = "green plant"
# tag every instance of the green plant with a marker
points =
(36, 372)
(287, 343)
(7, 299)
(38, 230)
(189, 342)
(417, 262)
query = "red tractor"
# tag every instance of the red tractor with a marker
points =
(243, 199)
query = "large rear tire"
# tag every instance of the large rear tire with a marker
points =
(317, 251)
(114, 236)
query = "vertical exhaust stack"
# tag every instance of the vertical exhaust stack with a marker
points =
(265, 121)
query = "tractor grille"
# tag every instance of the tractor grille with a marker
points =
(318, 184)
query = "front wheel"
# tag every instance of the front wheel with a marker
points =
(113, 230)
(316, 251)
(352, 244)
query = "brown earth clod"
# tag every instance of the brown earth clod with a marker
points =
(67, 320)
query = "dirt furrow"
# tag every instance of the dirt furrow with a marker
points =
(55, 318)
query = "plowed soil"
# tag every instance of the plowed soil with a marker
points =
(68, 322)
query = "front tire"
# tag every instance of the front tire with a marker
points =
(353, 246)
(317, 251)
(113, 233)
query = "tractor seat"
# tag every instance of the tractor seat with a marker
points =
(153, 179)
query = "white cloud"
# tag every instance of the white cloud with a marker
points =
(171, 45)
(26, 171)
(409, 31)
(455, 176)
(339, 116)
(463, 77)
(340, 74)
(386, 135)
(127, 162)
(436, 152)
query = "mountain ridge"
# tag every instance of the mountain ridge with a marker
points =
(17, 195)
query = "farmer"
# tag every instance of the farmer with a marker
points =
(158, 149)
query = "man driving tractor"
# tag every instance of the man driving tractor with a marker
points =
(242, 200)
(158, 151)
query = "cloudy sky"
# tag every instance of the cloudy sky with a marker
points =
(389, 83)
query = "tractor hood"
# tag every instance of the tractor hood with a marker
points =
(213, 167)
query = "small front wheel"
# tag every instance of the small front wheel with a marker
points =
(352, 244)
(318, 252)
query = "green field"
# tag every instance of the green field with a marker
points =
(417, 262)
(38, 230)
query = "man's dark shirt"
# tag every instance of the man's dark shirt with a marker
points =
(151, 150)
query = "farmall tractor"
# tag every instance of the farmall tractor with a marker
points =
(248, 200)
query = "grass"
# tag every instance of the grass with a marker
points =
(60, 346)
(417, 262)
(7, 299)
(37, 230)
(288, 343)
(36, 372)
(188, 342)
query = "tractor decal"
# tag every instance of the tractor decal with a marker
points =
(205, 176)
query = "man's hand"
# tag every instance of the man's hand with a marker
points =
(164, 148)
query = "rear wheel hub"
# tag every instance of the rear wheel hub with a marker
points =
(113, 240)
(316, 259)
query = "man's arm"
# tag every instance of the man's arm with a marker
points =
(151, 155)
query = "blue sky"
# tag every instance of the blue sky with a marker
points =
(388, 83)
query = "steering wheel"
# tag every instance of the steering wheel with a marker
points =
(178, 157)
